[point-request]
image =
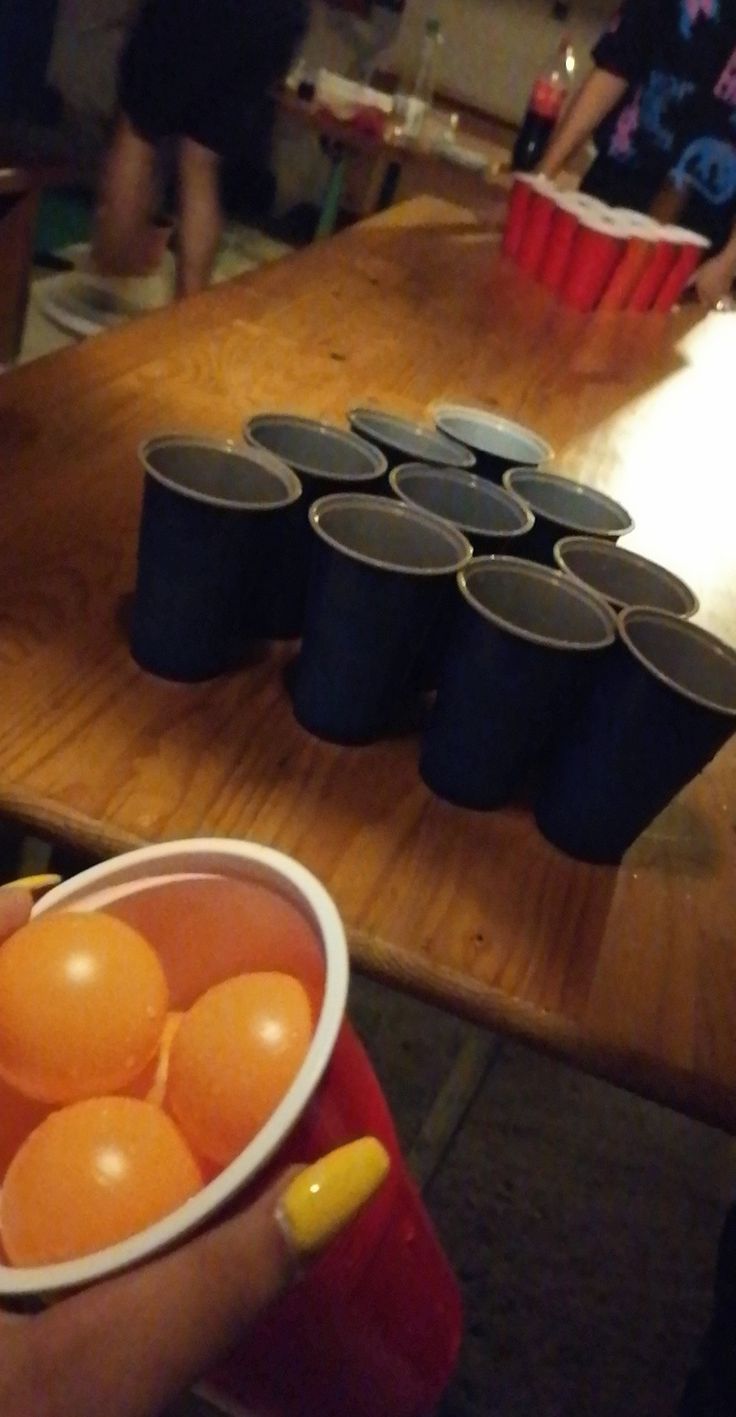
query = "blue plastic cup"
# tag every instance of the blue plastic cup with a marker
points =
(518, 666)
(497, 442)
(399, 440)
(664, 703)
(561, 507)
(492, 519)
(207, 504)
(624, 578)
(327, 460)
(378, 579)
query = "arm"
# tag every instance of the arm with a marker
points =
(592, 103)
(714, 279)
(622, 58)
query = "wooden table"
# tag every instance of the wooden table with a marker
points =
(383, 159)
(631, 974)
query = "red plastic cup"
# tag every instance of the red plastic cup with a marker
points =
(516, 214)
(596, 250)
(641, 235)
(534, 237)
(653, 276)
(691, 247)
(562, 231)
(373, 1330)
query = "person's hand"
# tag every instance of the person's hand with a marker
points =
(130, 1345)
(714, 278)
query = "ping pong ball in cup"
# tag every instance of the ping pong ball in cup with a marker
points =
(83, 999)
(234, 1056)
(90, 1175)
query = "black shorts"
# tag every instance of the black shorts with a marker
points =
(202, 69)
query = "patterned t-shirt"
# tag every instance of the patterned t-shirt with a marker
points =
(677, 120)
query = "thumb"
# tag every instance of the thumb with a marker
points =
(130, 1345)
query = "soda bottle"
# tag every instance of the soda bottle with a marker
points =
(548, 94)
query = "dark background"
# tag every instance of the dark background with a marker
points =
(26, 28)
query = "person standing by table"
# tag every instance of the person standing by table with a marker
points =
(197, 73)
(661, 106)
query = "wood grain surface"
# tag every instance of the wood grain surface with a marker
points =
(631, 974)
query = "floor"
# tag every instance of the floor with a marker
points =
(582, 1222)
(243, 249)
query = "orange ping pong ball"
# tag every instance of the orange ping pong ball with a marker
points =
(90, 1175)
(83, 1000)
(234, 1056)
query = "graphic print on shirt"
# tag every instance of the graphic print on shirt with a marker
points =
(708, 167)
(660, 93)
(621, 145)
(725, 89)
(694, 10)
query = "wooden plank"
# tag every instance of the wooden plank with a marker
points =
(631, 974)
(18, 212)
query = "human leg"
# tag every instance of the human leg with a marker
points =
(125, 240)
(200, 216)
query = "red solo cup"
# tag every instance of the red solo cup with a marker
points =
(653, 277)
(373, 1330)
(534, 237)
(641, 244)
(596, 250)
(563, 227)
(690, 246)
(516, 213)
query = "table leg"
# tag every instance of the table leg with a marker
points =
(18, 212)
(332, 198)
(389, 185)
(478, 1055)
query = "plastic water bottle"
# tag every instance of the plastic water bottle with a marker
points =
(412, 109)
(425, 84)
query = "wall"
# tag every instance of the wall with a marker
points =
(494, 48)
(492, 51)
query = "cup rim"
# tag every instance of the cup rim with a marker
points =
(585, 201)
(218, 852)
(389, 506)
(480, 484)
(363, 415)
(222, 444)
(498, 421)
(535, 571)
(565, 482)
(637, 218)
(599, 546)
(684, 627)
(684, 236)
(603, 224)
(328, 430)
(574, 202)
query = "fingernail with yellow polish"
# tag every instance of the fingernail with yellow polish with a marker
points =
(321, 1201)
(33, 883)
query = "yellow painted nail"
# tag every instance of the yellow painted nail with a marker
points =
(321, 1201)
(33, 883)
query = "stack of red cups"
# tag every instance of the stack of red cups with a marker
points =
(595, 257)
